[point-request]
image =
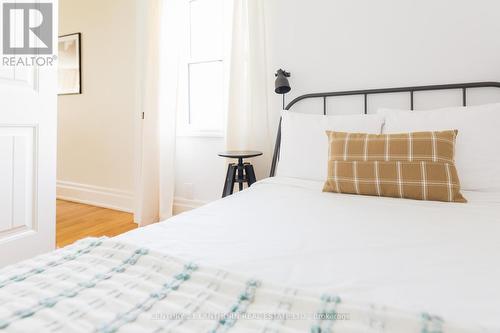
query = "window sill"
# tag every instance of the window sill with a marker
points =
(200, 134)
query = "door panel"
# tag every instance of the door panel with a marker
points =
(18, 77)
(6, 182)
(28, 113)
(17, 179)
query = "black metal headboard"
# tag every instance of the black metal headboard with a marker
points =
(365, 93)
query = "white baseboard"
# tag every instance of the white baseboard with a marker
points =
(183, 205)
(112, 198)
(96, 196)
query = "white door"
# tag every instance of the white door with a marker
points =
(28, 113)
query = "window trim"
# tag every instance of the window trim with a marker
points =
(184, 127)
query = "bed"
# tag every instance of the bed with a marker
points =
(377, 250)
(368, 264)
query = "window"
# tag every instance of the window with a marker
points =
(203, 69)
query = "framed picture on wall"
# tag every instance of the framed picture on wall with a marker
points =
(69, 72)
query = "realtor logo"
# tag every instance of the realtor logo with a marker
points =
(27, 28)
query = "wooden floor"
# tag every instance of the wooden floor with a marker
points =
(76, 221)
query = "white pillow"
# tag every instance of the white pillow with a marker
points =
(304, 143)
(478, 142)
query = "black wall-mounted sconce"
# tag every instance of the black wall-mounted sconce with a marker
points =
(282, 86)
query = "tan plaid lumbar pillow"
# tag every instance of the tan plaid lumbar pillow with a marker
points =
(417, 165)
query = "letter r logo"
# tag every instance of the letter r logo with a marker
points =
(27, 28)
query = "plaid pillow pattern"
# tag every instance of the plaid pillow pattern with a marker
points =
(418, 165)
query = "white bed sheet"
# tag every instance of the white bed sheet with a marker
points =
(414, 255)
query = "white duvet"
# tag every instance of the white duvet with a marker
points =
(413, 255)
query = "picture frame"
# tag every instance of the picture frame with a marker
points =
(69, 69)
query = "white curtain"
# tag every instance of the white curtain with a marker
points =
(248, 120)
(159, 81)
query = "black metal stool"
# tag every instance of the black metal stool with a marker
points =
(239, 173)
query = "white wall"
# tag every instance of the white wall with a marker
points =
(356, 44)
(200, 173)
(96, 128)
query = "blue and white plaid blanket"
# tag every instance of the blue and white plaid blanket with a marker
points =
(102, 285)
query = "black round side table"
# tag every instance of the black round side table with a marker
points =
(239, 173)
